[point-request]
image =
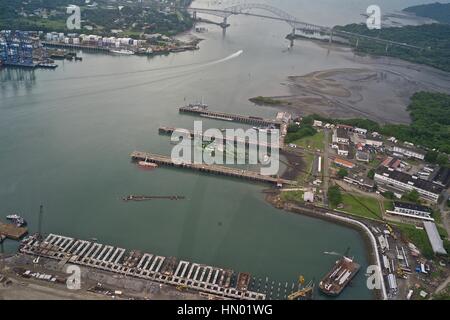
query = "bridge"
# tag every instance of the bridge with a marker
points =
(295, 23)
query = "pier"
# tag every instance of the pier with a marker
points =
(234, 139)
(204, 112)
(74, 46)
(212, 169)
(12, 231)
(183, 274)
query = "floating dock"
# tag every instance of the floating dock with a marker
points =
(339, 277)
(169, 130)
(199, 277)
(204, 112)
(12, 231)
(210, 168)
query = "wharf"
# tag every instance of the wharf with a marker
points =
(204, 112)
(74, 46)
(213, 169)
(183, 274)
(12, 231)
(234, 139)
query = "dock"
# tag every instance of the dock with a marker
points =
(12, 231)
(204, 112)
(74, 46)
(212, 169)
(152, 267)
(247, 142)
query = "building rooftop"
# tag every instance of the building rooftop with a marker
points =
(342, 146)
(362, 156)
(341, 133)
(410, 149)
(343, 162)
(411, 180)
(442, 177)
(434, 237)
(411, 206)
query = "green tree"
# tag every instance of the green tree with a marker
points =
(389, 195)
(431, 156)
(342, 173)
(412, 196)
(371, 174)
(442, 159)
(334, 195)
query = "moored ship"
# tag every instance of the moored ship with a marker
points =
(339, 277)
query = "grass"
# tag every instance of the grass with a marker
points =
(418, 237)
(312, 142)
(295, 196)
(361, 206)
(308, 159)
(388, 205)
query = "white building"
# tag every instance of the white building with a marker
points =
(405, 183)
(411, 211)
(409, 152)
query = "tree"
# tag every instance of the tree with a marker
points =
(371, 174)
(334, 196)
(431, 156)
(442, 159)
(342, 173)
(389, 195)
(412, 196)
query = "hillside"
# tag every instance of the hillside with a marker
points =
(436, 11)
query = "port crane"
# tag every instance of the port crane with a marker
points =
(304, 292)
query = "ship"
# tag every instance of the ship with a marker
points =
(147, 165)
(339, 277)
(16, 219)
(122, 51)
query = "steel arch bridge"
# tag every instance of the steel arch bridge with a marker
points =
(278, 14)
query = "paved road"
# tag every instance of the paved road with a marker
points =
(326, 166)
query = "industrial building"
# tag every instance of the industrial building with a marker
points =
(411, 210)
(435, 239)
(405, 182)
(409, 152)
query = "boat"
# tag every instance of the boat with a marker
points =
(16, 219)
(122, 51)
(147, 165)
(339, 277)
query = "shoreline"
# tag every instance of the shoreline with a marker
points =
(372, 252)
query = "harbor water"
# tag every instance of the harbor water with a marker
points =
(66, 136)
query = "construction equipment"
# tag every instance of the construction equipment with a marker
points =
(304, 292)
(181, 287)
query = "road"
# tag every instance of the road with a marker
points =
(326, 166)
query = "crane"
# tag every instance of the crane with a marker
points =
(304, 292)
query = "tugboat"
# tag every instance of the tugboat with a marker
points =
(17, 220)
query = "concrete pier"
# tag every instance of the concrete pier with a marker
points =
(203, 278)
(204, 112)
(246, 142)
(213, 169)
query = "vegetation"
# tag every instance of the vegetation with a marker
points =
(388, 205)
(297, 132)
(371, 174)
(412, 196)
(443, 295)
(430, 127)
(268, 101)
(294, 196)
(433, 38)
(342, 173)
(362, 206)
(308, 160)
(436, 11)
(334, 196)
(419, 238)
(132, 18)
(388, 195)
(311, 142)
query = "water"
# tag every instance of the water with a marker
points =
(66, 136)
